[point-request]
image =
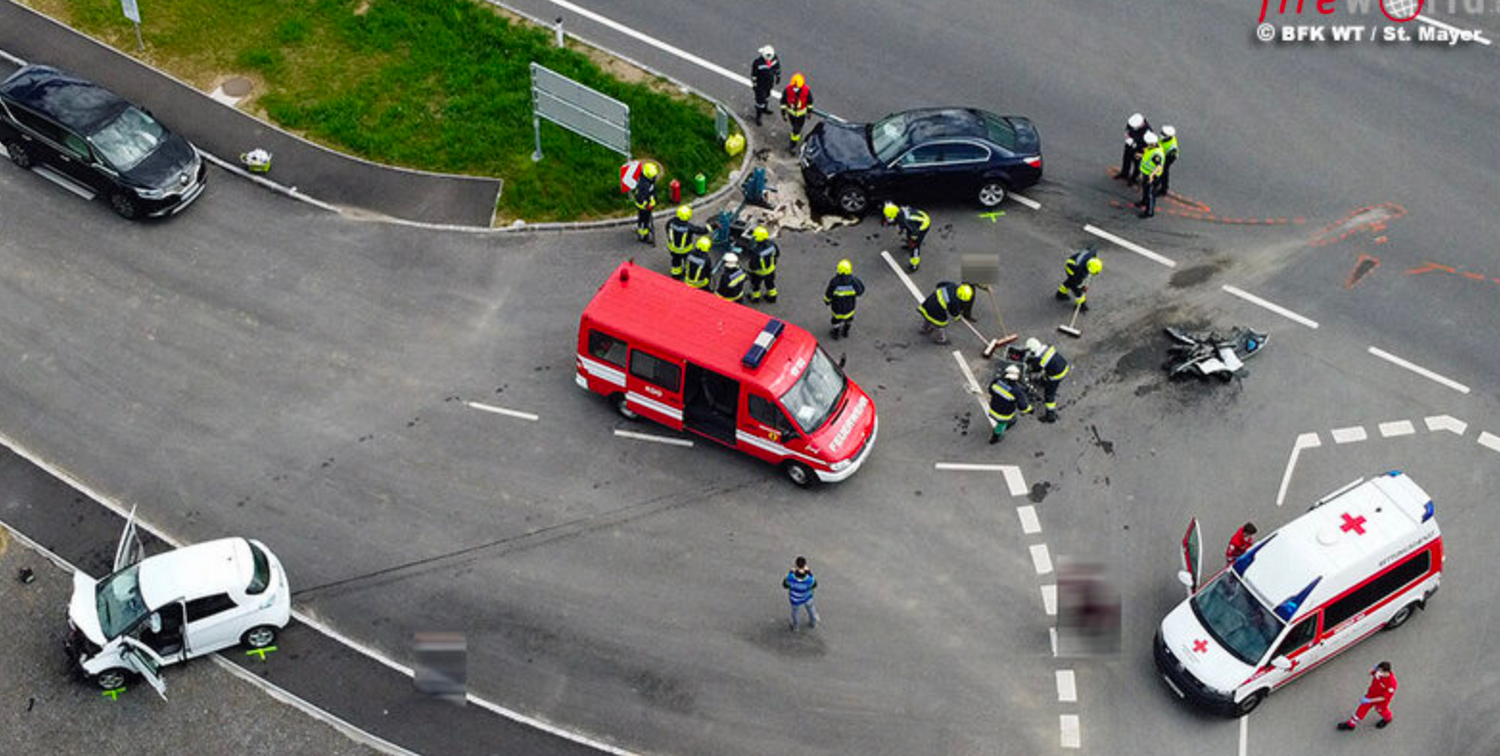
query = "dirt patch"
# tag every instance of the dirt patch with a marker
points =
(1192, 276)
(362, 8)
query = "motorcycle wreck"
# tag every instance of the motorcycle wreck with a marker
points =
(1202, 354)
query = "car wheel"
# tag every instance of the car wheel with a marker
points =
(991, 193)
(124, 206)
(18, 154)
(259, 636)
(1249, 704)
(622, 407)
(852, 199)
(113, 678)
(1401, 616)
(799, 473)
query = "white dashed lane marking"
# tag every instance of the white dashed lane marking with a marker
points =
(1446, 423)
(1027, 201)
(502, 411)
(1030, 525)
(1419, 370)
(1130, 245)
(1014, 481)
(1269, 305)
(1068, 724)
(1067, 687)
(1049, 600)
(1489, 441)
(1397, 428)
(1041, 559)
(1348, 435)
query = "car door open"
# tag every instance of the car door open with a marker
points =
(1191, 575)
(144, 662)
(130, 549)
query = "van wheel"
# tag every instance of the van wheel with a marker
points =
(799, 473)
(18, 153)
(112, 678)
(991, 194)
(1401, 616)
(624, 409)
(259, 636)
(124, 206)
(1249, 704)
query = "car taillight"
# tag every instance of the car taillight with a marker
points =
(1034, 162)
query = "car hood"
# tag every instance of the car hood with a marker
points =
(83, 610)
(841, 437)
(1213, 666)
(165, 167)
(840, 147)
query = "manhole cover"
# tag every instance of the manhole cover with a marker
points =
(238, 86)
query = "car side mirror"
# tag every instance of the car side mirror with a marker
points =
(1282, 663)
(1186, 578)
(843, 358)
(155, 622)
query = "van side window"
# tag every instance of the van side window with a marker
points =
(603, 346)
(1372, 592)
(1300, 636)
(766, 412)
(204, 608)
(655, 370)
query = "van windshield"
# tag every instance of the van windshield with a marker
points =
(119, 600)
(815, 395)
(1236, 618)
(128, 139)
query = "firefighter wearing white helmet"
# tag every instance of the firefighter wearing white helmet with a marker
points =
(1007, 397)
(1153, 158)
(731, 285)
(1169, 148)
(1053, 367)
(946, 302)
(1135, 140)
(1078, 269)
(680, 233)
(913, 224)
(841, 296)
(765, 74)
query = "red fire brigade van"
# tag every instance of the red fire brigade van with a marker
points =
(690, 360)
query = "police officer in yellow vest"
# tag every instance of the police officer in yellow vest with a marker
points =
(680, 233)
(763, 256)
(731, 285)
(1169, 148)
(645, 202)
(698, 266)
(1054, 369)
(842, 295)
(1007, 397)
(1152, 160)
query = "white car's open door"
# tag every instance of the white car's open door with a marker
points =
(145, 663)
(1192, 557)
(130, 549)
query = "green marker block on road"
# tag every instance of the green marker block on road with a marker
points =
(113, 694)
(261, 652)
(994, 216)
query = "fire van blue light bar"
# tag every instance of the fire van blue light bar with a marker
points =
(763, 343)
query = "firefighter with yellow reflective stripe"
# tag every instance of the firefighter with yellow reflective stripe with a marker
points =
(841, 296)
(948, 301)
(698, 265)
(913, 224)
(1078, 269)
(731, 285)
(645, 202)
(1054, 368)
(680, 233)
(763, 256)
(1007, 397)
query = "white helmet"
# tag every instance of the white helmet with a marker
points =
(768, 52)
(1034, 347)
(1150, 137)
(1136, 121)
(1013, 372)
(731, 260)
(1168, 131)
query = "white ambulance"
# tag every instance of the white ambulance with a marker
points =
(1362, 559)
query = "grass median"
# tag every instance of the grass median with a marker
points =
(440, 85)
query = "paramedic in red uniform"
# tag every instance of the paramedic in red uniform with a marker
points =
(1382, 690)
(1240, 543)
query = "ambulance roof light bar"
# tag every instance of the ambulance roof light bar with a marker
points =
(763, 343)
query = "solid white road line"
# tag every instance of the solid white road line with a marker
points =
(502, 411)
(1049, 600)
(654, 42)
(1067, 687)
(1052, 636)
(1489, 441)
(1349, 435)
(1041, 559)
(1027, 201)
(901, 274)
(1397, 428)
(1068, 724)
(1272, 306)
(963, 366)
(1478, 37)
(1304, 441)
(1244, 733)
(968, 467)
(1447, 423)
(1014, 481)
(649, 437)
(1130, 245)
(1419, 370)
(1030, 525)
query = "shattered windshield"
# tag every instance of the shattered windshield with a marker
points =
(119, 600)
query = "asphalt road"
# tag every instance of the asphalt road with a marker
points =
(257, 366)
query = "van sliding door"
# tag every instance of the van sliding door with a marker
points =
(711, 404)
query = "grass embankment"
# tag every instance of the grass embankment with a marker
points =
(440, 85)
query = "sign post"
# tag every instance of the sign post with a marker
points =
(133, 12)
(594, 116)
